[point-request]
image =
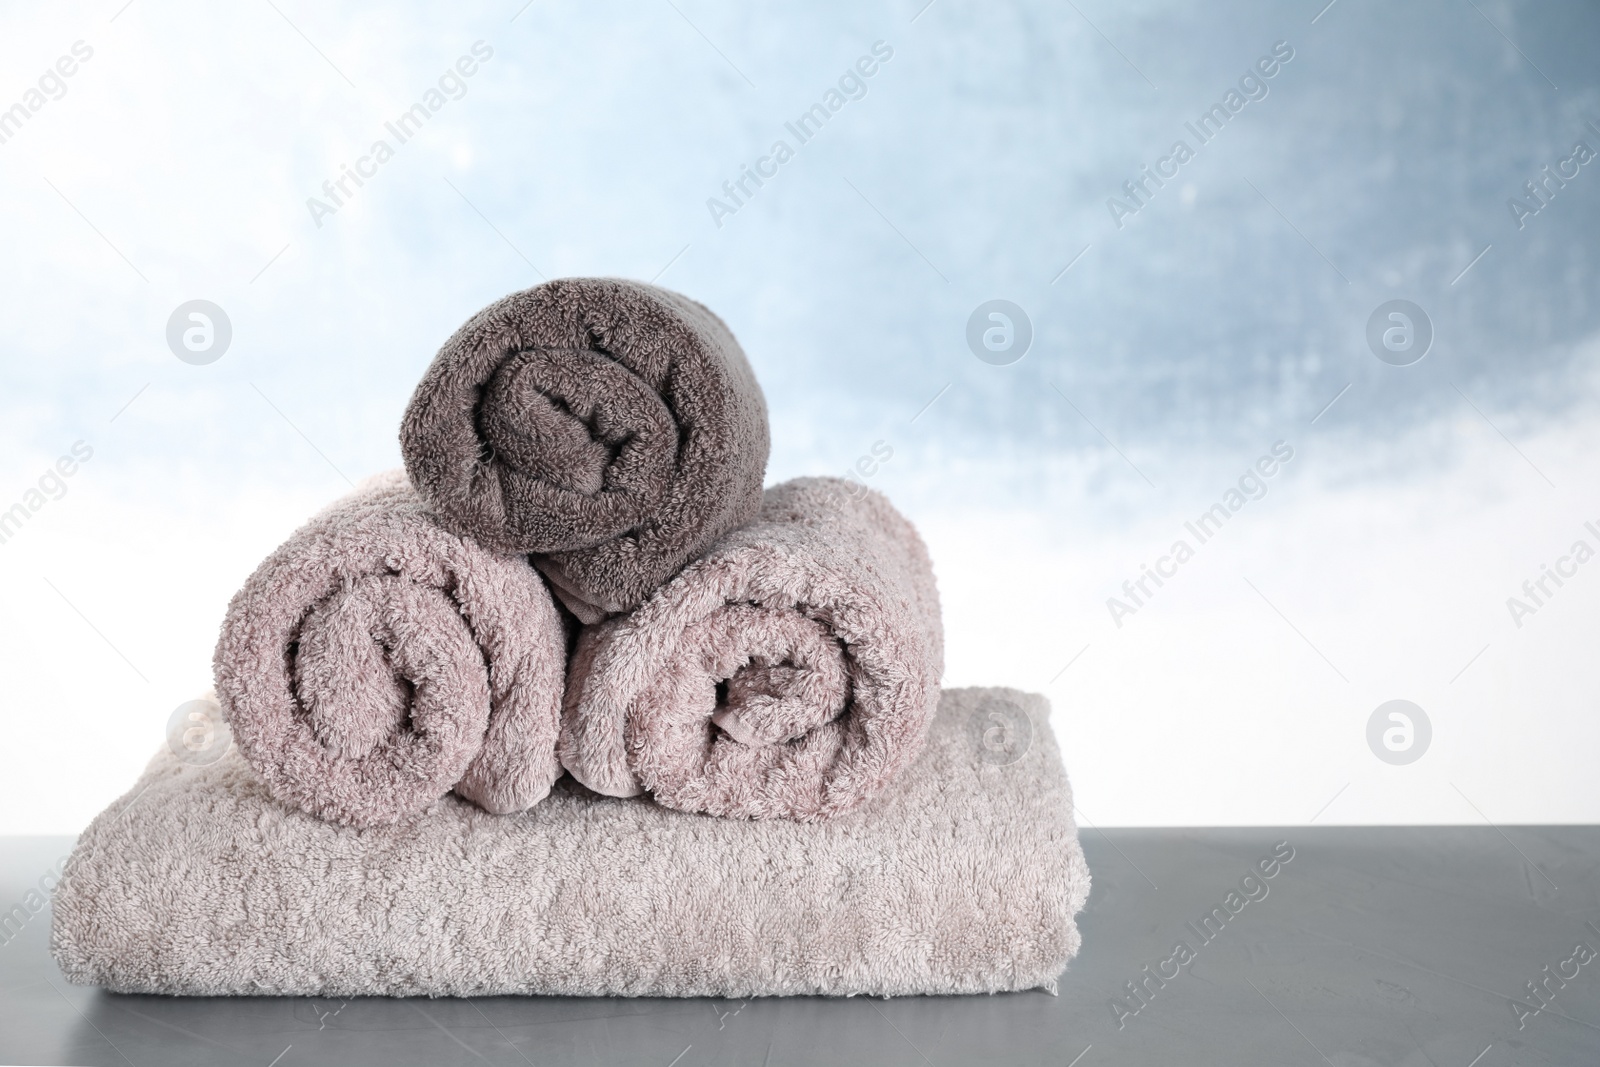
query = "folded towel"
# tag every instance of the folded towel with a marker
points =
(612, 428)
(790, 672)
(376, 660)
(964, 876)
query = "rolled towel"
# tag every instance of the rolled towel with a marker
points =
(375, 661)
(790, 672)
(610, 428)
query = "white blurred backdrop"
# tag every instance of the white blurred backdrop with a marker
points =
(1179, 332)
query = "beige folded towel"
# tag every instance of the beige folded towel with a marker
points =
(963, 876)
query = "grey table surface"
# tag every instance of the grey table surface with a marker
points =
(1372, 946)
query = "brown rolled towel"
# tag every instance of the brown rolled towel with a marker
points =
(611, 428)
(790, 672)
(375, 661)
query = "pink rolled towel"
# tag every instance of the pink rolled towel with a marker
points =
(790, 672)
(375, 661)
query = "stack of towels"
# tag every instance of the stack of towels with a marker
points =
(572, 706)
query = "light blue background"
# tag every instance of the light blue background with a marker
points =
(1221, 318)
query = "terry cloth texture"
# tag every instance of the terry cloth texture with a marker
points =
(611, 428)
(964, 876)
(790, 672)
(375, 661)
